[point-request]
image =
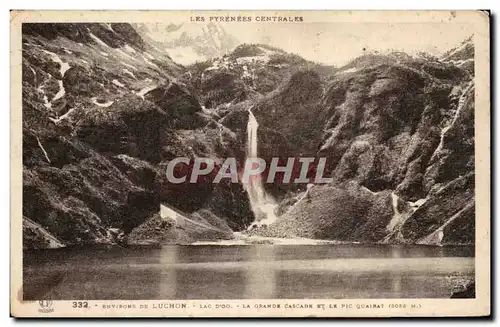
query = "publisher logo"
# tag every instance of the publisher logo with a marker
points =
(45, 306)
(300, 170)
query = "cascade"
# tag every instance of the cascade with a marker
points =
(262, 204)
(462, 101)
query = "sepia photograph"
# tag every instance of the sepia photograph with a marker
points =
(191, 159)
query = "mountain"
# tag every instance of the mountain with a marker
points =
(248, 72)
(398, 132)
(106, 107)
(462, 55)
(104, 112)
(189, 43)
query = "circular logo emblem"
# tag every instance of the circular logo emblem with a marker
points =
(45, 303)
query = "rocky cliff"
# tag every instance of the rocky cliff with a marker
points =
(103, 114)
(105, 109)
(398, 132)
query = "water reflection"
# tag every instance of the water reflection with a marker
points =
(260, 278)
(168, 277)
(210, 284)
(237, 272)
(396, 277)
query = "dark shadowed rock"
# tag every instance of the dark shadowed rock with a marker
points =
(456, 198)
(294, 113)
(468, 293)
(180, 106)
(116, 35)
(81, 81)
(230, 201)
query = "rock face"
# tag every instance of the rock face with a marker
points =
(468, 293)
(105, 110)
(103, 114)
(398, 127)
(36, 237)
(200, 226)
(247, 73)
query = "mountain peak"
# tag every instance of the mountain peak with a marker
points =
(464, 51)
(190, 43)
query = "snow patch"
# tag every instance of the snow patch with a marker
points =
(167, 213)
(129, 49)
(268, 52)
(460, 63)
(249, 60)
(348, 71)
(368, 190)
(43, 149)
(117, 83)
(185, 55)
(64, 66)
(246, 73)
(98, 40)
(66, 115)
(46, 102)
(123, 54)
(129, 66)
(108, 26)
(148, 55)
(145, 90)
(61, 91)
(33, 71)
(150, 63)
(418, 203)
(100, 104)
(129, 73)
(460, 48)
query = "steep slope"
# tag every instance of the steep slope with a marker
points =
(103, 113)
(248, 72)
(397, 126)
(105, 110)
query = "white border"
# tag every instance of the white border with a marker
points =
(186, 4)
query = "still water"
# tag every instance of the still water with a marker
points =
(245, 272)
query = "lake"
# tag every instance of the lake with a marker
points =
(257, 271)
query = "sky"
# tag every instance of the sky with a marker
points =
(338, 43)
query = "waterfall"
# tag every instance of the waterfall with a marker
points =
(262, 204)
(462, 101)
(396, 217)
